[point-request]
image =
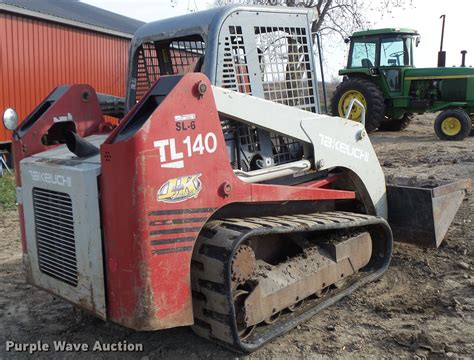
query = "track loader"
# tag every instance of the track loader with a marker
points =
(210, 205)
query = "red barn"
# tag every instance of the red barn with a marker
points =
(46, 43)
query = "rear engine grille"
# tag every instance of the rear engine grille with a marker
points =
(54, 224)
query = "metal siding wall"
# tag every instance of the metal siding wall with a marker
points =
(3, 65)
(36, 56)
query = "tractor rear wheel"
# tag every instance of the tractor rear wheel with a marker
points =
(367, 93)
(396, 124)
(453, 124)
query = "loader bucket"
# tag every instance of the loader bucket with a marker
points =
(420, 211)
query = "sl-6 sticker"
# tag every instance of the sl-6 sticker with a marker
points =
(185, 122)
(172, 154)
(180, 189)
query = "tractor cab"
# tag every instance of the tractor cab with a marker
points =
(375, 75)
(382, 52)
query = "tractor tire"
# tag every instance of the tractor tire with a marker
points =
(396, 124)
(453, 124)
(366, 92)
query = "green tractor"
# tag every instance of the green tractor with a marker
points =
(380, 75)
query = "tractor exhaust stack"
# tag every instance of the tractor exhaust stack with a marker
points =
(463, 58)
(441, 53)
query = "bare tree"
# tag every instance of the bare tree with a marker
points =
(331, 17)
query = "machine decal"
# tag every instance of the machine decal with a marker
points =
(172, 241)
(172, 156)
(185, 117)
(182, 126)
(185, 122)
(177, 221)
(63, 118)
(162, 145)
(181, 211)
(48, 178)
(180, 189)
(171, 250)
(175, 231)
(344, 148)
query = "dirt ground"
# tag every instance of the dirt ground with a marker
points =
(422, 307)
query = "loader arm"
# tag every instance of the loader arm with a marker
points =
(337, 142)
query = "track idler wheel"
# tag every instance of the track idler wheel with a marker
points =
(243, 265)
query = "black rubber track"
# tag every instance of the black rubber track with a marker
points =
(375, 102)
(214, 312)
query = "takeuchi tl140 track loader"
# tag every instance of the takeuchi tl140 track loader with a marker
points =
(207, 206)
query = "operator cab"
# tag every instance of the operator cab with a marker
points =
(265, 52)
(383, 51)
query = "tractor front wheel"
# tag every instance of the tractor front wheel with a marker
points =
(453, 124)
(367, 93)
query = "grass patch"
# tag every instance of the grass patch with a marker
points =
(7, 192)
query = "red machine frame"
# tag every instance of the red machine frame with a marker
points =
(158, 188)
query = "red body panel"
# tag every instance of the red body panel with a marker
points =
(86, 115)
(158, 188)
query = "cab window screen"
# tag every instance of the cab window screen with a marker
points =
(175, 57)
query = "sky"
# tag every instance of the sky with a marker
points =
(423, 16)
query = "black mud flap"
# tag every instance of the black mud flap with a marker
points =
(421, 211)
